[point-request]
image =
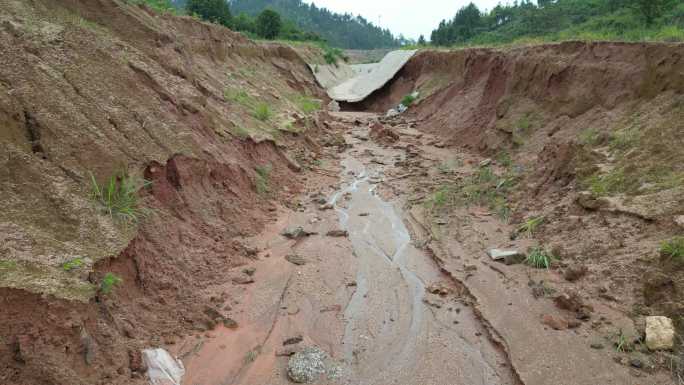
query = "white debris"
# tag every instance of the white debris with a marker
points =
(162, 368)
(392, 112)
(498, 254)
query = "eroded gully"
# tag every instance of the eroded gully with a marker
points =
(394, 331)
(365, 300)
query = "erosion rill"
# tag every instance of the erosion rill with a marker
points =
(166, 185)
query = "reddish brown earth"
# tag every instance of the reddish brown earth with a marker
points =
(100, 86)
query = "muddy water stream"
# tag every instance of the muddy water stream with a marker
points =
(392, 335)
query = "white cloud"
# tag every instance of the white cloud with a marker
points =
(411, 18)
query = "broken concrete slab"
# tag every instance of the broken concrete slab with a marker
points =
(361, 86)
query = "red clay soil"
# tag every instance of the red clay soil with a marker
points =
(101, 86)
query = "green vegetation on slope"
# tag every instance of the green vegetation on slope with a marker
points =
(345, 31)
(550, 20)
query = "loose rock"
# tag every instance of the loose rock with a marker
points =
(296, 233)
(307, 366)
(509, 257)
(295, 259)
(659, 333)
(555, 323)
(338, 233)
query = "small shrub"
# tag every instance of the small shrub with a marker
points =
(408, 100)
(539, 258)
(530, 226)
(119, 197)
(263, 174)
(73, 264)
(673, 248)
(263, 112)
(108, 283)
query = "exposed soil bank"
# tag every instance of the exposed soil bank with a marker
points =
(103, 86)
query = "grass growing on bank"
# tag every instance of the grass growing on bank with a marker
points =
(539, 258)
(109, 282)
(262, 112)
(119, 196)
(262, 182)
(484, 187)
(673, 248)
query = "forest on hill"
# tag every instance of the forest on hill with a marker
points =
(551, 20)
(339, 30)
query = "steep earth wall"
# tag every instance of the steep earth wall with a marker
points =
(103, 86)
(592, 136)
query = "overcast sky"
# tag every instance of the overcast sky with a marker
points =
(410, 17)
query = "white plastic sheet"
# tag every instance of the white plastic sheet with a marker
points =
(162, 368)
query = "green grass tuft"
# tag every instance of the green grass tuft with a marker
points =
(539, 258)
(408, 100)
(673, 248)
(530, 226)
(263, 112)
(119, 196)
(73, 264)
(108, 283)
(308, 105)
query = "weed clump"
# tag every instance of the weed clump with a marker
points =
(73, 264)
(539, 258)
(408, 100)
(530, 226)
(308, 105)
(263, 112)
(119, 196)
(108, 283)
(673, 248)
(484, 187)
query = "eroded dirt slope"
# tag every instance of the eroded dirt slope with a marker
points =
(104, 86)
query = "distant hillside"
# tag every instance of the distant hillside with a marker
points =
(344, 31)
(631, 20)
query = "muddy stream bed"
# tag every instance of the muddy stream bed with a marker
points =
(366, 301)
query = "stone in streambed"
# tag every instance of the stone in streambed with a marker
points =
(307, 366)
(338, 233)
(296, 233)
(296, 259)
